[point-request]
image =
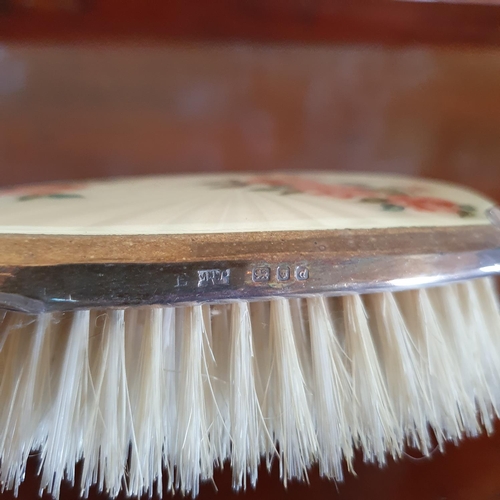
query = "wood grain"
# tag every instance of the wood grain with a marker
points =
(73, 112)
(314, 21)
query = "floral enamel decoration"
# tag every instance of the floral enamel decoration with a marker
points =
(54, 190)
(388, 198)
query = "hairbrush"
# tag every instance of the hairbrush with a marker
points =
(153, 329)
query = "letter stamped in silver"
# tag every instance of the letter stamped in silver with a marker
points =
(182, 280)
(212, 277)
(301, 273)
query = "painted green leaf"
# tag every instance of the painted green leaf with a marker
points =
(393, 192)
(466, 211)
(64, 195)
(288, 190)
(389, 207)
(373, 200)
(29, 197)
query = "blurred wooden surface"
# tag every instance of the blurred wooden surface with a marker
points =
(87, 111)
(74, 111)
(314, 21)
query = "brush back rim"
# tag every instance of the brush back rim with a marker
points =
(224, 237)
(48, 273)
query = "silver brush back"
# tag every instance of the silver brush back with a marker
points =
(216, 238)
(251, 266)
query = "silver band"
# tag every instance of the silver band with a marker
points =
(457, 255)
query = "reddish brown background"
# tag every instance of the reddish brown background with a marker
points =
(72, 111)
(92, 89)
(392, 22)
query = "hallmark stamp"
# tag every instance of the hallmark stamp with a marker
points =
(283, 273)
(211, 277)
(182, 280)
(261, 274)
(302, 273)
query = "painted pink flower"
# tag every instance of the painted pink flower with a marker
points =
(424, 203)
(308, 186)
(389, 199)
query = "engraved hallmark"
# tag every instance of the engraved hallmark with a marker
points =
(261, 274)
(302, 273)
(211, 277)
(283, 273)
(182, 280)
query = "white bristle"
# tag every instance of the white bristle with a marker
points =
(193, 452)
(107, 437)
(399, 360)
(23, 384)
(153, 399)
(480, 308)
(290, 418)
(219, 364)
(333, 391)
(374, 421)
(450, 410)
(63, 428)
(147, 390)
(246, 419)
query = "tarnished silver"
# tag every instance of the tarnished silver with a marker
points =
(34, 289)
(133, 271)
(493, 215)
